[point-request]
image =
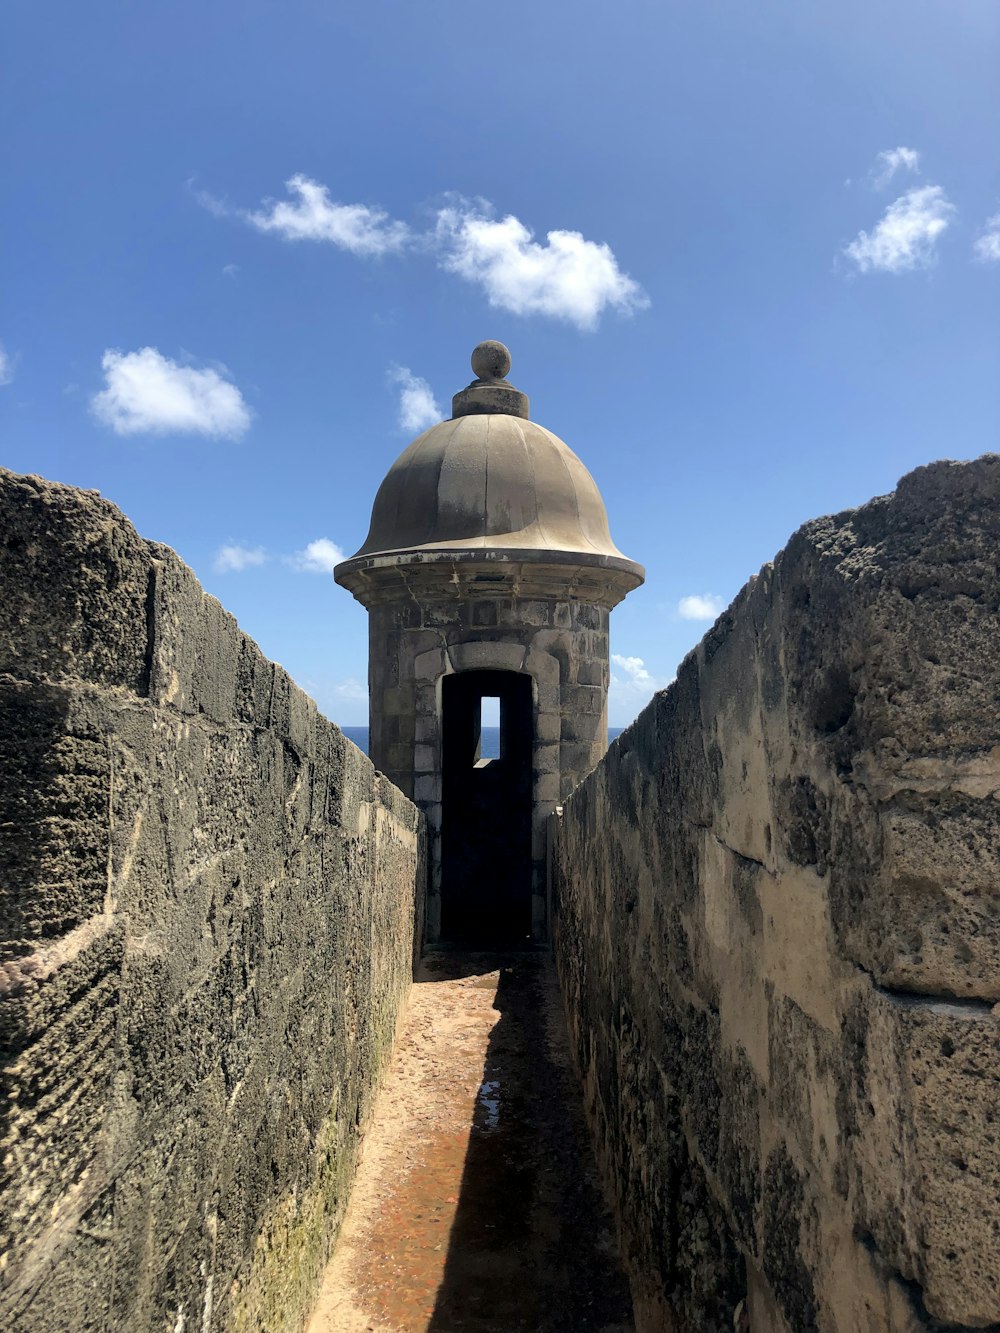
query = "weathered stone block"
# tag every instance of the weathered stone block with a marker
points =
(589, 672)
(548, 728)
(493, 656)
(76, 580)
(427, 730)
(398, 701)
(425, 759)
(427, 788)
(429, 665)
(196, 645)
(582, 728)
(579, 757)
(919, 1105)
(60, 1009)
(928, 921)
(546, 759)
(54, 791)
(537, 613)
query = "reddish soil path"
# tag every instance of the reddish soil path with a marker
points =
(476, 1208)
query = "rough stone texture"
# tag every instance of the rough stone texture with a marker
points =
(208, 917)
(777, 928)
(448, 621)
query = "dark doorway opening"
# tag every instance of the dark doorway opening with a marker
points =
(486, 810)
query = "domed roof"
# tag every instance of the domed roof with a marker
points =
(489, 479)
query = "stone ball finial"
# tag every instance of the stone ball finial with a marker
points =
(491, 360)
(490, 392)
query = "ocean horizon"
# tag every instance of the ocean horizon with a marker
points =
(491, 739)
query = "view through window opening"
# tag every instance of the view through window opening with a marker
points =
(490, 719)
(486, 808)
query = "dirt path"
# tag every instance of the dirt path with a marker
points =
(476, 1208)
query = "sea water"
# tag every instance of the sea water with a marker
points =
(490, 748)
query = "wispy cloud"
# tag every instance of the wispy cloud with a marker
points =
(6, 366)
(418, 408)
(907, 234)
(230, 270)
(351, 690)
(211, 203)
(233, 558)
(313, 216)
(632, 684)
(893, 160)
(568, 278)
(319, 557)
(700, 606)
(986, 247)
(147, 393)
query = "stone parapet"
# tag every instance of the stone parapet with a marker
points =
(209, 912)
(776, 927)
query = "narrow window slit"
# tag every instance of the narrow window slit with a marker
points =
(490, 745)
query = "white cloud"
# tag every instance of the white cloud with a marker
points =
(987, 246)
(6, 368)
(314, 216)
(906, 235)
(568, 278)
(230, 270)
(319, 557)
(891, 161)
(352, 690)
(233, 558)
(631, 687)
(700, 606)
(418, 407)
(634, 668)
(146, 392)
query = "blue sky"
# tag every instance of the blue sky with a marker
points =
(772, 285)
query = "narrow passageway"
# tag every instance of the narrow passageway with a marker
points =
(476, 1207)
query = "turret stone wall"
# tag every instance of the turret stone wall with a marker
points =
(209, 903)
(457, 618)
(777, 927)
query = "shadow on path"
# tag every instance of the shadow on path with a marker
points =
(531, 1248)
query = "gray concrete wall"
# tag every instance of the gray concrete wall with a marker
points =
(777, 931)
(209, 908)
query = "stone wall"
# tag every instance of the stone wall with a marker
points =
(777, 923)
(544, 616)
(209, 907)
